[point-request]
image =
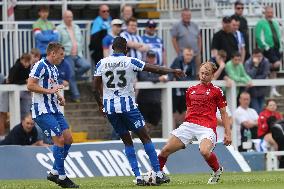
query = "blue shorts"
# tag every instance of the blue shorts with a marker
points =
(52, 124)
(126, 121)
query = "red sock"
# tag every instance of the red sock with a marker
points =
(162, 161)
(212, 161)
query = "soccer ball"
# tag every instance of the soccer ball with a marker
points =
(149, 178)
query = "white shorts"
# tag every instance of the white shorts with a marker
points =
(187, 132)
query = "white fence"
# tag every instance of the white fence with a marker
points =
(14, 42)
(167, 118)
(272, 162)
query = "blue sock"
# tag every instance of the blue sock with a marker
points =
(58, 154)
(66, 149)
(54, 163)
(131, 156)
(151, 152)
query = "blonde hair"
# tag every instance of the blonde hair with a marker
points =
(211, 64)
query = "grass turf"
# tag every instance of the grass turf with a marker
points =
(257, 180)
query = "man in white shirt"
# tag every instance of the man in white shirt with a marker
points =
(246, 119)
(220, 127)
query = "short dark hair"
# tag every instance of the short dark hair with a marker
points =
(43, 8)
(26, 57)
(222, 54)
(119, 44)
(131, 19)
(269, 100)
(53, 46)
(238, 3)
(256, 51)
(236, 54)
(35, 52)
(235, 17)
(227, 19)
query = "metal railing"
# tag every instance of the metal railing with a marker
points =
(272, 162)
(16, 41)
(167, 118)
(252, 9)
(231, 96)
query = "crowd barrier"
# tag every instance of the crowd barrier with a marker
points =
(108, 159)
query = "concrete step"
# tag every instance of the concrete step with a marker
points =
(146, 6)
(82, 112)
(82, 105)
(149, 15)
(80, 121)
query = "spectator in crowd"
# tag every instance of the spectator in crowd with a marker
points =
(236, 70)
(72, 40)
(277, 131)
(149, 98)
(220, 73)
(257, 67)
(134, 40)
(220, 125)
(187, 34)
(102, 21)
(239, 37)
(268, 35)
(64, 71)
(44, 30)
(4, 108)
(246, 121)
(108, 39)
(19, 75)
(263, 131)
(239, 9)
(187, 64)
(126, 13)
(100, 28)
(224, 40)
(155, 43)
(24, 133)
(35, 56)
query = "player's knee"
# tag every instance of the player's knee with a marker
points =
(68, 140)
(205, 152)
(60, 141)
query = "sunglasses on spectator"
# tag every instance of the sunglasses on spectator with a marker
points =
(240, 8)
(105, 11)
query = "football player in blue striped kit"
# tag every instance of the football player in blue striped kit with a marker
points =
(43, 82)
(114, 91)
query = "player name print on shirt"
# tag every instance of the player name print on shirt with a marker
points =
(113, 65)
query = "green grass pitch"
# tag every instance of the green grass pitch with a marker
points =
(257, 180)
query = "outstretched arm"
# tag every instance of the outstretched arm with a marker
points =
(163, 70)
(226, 122)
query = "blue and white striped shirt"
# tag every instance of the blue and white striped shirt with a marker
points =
(47, 75)
(118, 74)
(135, 38)
(156, 45)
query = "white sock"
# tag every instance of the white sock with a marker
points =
(159, 174)
(54, 172)
(139, 177)
(62, 177)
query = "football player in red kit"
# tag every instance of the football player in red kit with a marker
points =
(202, 101)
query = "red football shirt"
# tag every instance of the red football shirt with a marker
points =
(202, 101)
(263, 128)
